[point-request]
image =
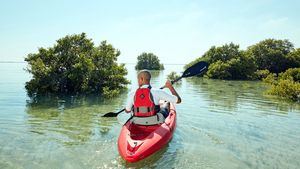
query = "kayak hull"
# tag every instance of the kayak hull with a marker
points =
(137, 142)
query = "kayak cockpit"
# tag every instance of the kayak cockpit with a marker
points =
(139, 132)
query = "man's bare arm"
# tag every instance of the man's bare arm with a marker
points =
(172, 90)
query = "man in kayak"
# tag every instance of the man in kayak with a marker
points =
(144, 102)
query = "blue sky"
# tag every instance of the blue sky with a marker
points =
(177, 31)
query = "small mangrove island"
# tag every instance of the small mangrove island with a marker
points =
(74, 65)
(148, 61)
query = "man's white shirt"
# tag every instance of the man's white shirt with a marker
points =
(157, 94)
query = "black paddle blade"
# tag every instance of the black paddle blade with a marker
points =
(110, 114)
(195, 69)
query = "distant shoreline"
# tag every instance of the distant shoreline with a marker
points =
(120, 63)
(12, 62)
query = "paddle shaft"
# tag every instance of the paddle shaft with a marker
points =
(173, 81)
(120, 111)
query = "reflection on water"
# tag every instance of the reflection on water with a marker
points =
(221, 124)
(75, 119)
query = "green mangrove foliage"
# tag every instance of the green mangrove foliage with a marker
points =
(148, 61)
(74, 65)
(268, 60)
(172, 76)
(286, 85)
(261, 74)
(256, 62)
(271, 55)
(227, 62)
(293, 58)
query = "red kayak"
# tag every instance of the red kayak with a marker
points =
(137, 142)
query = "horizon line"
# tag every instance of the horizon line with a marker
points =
(130, 63)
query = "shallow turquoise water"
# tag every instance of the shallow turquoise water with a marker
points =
(221, 124)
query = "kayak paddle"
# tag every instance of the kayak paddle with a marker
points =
(112, 114)
(189, 72)
(192, 71)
